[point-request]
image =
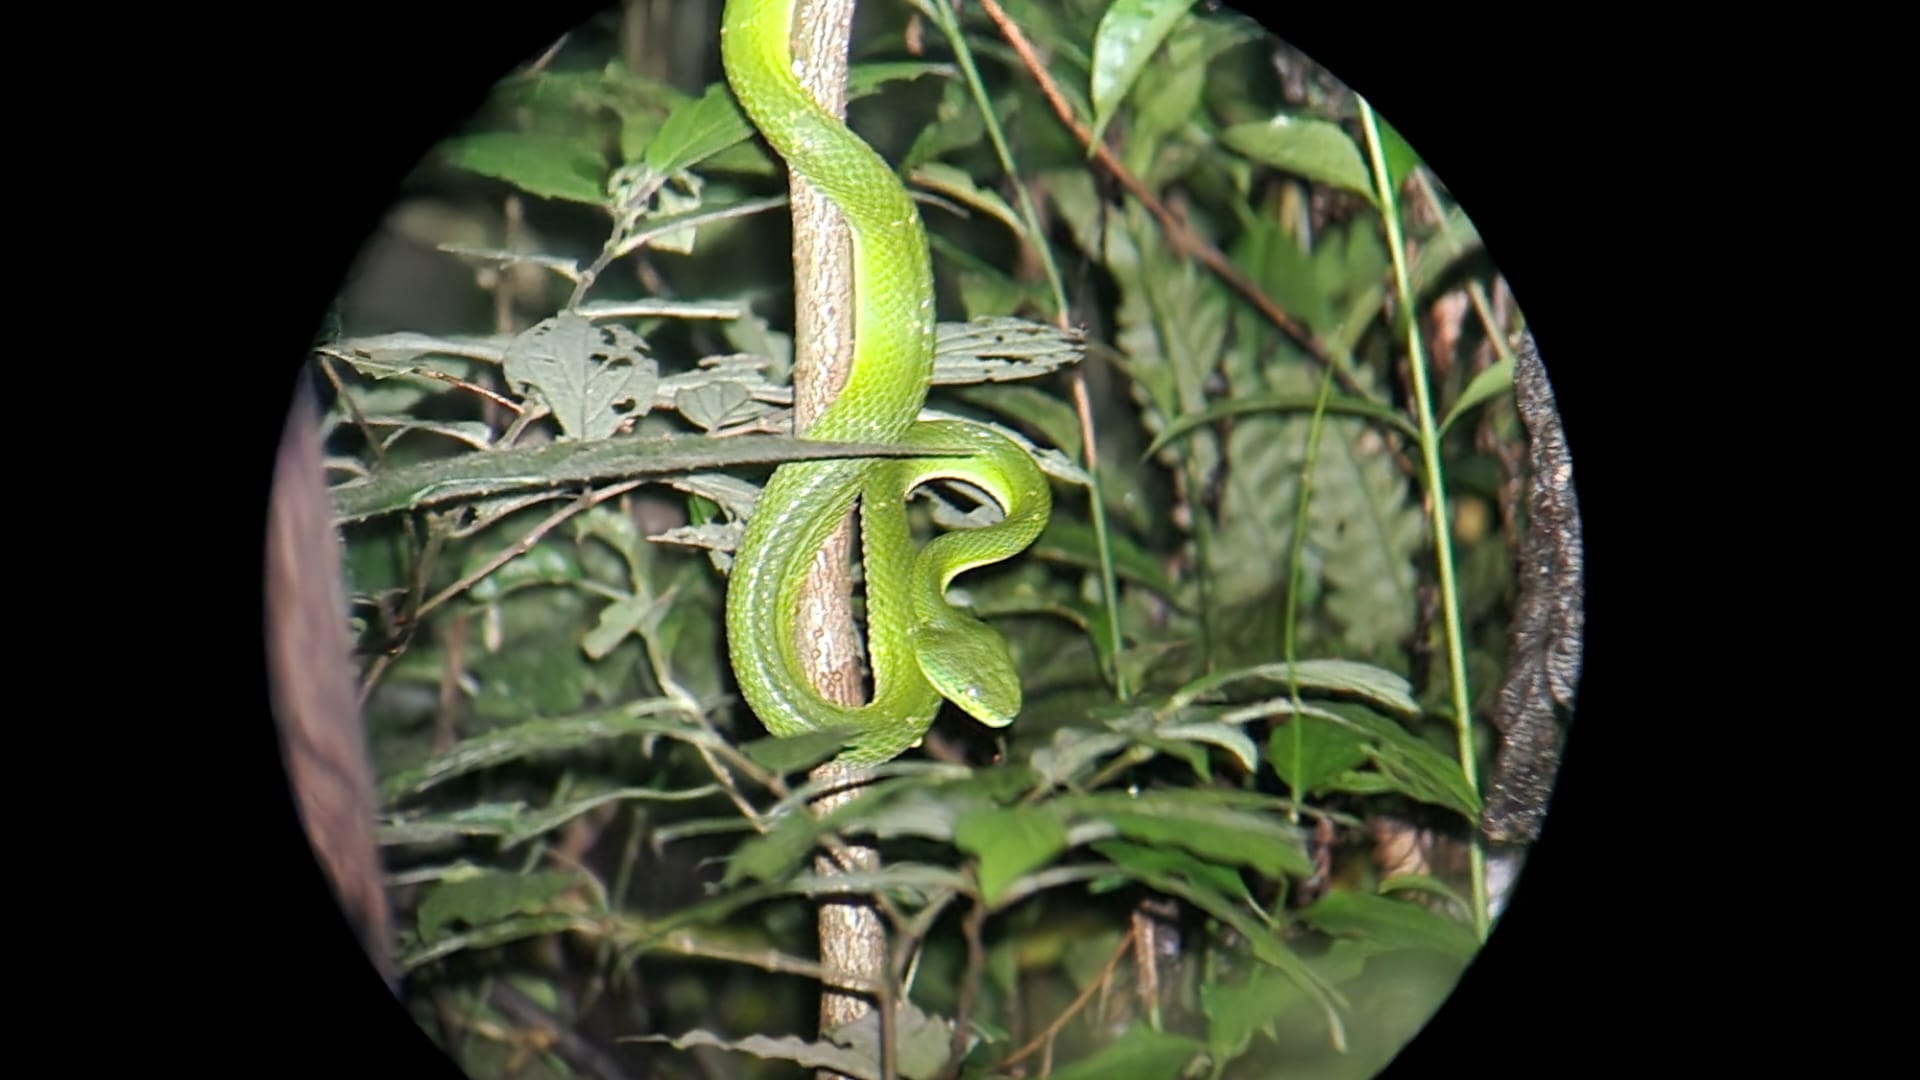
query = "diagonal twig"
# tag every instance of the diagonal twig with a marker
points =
(1093, 986)
(1176, 230)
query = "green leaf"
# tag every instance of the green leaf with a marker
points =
(797, 752)
(1496, 378)
(987, 291)
(713, 404)
(617, 530)
(1193, 755)
(692, 827)
(744, 159)
(1409, 763)
(930, 813)
(539, 737)
(1362, 783)
(999, 349)
(1145, 860)
(482, 819)
(1376, 685)
(1169, 97)
(1071, 751)
(1010, 842)
(489, 898)
(697, 130)
(1422, 883)
(551, 166)
(1002, 783)
(1225, 736)
(551, 92)
(1386, 923)
(493, 935)
(676, 200)
(590, 101)
(545, 564)
(1358, 315)
(514, 823)
(1140, 1054)
(1364, 528)
(1221, 834)
(537, 822)
(617, 620)
(1188, 312)
(382, 356)
(1129, 34)
(1452, 242)
(780, 851)
(1312, 149)
(542, 673)
(1074, 544)
(1367, 531)
(938, 176)
(1273, 254)
(1032, 408)
(868, 78)
(809, 1055)
(1351, 260)
(1267, 946)
(775, 853)
(1237, 1011)
(1420, 772)
(468, 477)
(594, 376)
(1308, 752)
(957, 124)
(922, 1043)
(907, 883)
(1400, 155)
(471, 432)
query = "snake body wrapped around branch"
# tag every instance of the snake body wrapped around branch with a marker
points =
(921, 648)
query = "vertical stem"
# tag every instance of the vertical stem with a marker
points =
(1437, 495)
(949, 20)
(852, 939)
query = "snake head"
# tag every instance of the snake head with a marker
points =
(972, 667)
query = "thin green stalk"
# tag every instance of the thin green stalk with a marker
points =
(949, 23)
(950, 26)
(1436, 493)
(1296, 570)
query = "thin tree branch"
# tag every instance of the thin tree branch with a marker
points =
(1094, 985)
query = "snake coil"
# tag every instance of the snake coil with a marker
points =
(921, 647)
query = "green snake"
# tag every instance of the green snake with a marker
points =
(921, 648)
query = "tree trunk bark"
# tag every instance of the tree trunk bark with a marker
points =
(853, 942)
